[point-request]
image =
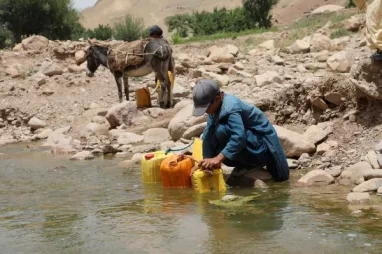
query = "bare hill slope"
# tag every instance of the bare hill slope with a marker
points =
(154, 12)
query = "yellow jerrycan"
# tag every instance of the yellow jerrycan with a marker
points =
(142, 98)
(203, 182)
(150, 166)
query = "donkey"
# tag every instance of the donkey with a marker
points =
(157, 57)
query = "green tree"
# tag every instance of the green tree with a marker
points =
(258, 12)
(181, 23)
(55, 19)
(101, 32)
(5, 37)
(129, 28)
(350, 4)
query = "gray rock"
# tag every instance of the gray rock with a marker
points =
(294, 144)
(359, 198)
(334, 171)
(84, 155)
(373, 159)
(126, 138)
(36, 123)
(370, 185)
(125, 113)
(356, 171)
(341, 62)
(156, 136)
(371, 174)
(268, 78)
(259, 184)
(315, 134)
(293, 164)
(182, 121)
(194, 131)
(317, 177)
(51, 69)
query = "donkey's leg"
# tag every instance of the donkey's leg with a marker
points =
(167, 83)
(117, 76)
(126, 86)
(156, 64)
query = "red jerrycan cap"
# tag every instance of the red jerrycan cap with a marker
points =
(149, 156)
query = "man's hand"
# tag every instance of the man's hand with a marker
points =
(211, 164)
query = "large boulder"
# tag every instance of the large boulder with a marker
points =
(267, 45)
(300, 46)
(223, 80)
(221, 55)
(194, 131)
(36, 123)
(371, 185)
(84, 155)
(182, 121)
(356, 171)
(315, 134)
(36, 42)
(327, 8)
(359, 198)
(317, 177)
(125, 113)
(51, 69)
(294, 144)
(319, 42)
(268, 78)
(60, 143)
(354, 23)
(341, 62)
(156, 135)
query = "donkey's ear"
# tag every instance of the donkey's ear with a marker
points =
(90, 42)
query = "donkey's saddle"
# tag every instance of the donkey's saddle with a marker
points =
(126, 54)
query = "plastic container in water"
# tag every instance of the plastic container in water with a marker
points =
(150, 166)
(203, 182)
(197, 149)
(142, 98)
(175, 171)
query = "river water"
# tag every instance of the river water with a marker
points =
(49, 204)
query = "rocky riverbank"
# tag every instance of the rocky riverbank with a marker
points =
(321, 94)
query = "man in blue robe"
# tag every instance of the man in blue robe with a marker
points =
(237, 134)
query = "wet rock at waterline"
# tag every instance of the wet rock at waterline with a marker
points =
(317, 177)
(356, 171)
(84, 155)
(359, 198)
(370, 185)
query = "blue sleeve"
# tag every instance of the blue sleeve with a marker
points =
(237, 140)
(208, 141)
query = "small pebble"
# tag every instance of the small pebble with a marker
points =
(367, 244)
(352, 235)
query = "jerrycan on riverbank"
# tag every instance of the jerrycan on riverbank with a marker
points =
(142, 98)
(203, 182)
(175, 171)
(150, 166)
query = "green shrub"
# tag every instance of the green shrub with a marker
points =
(176, 39)
(350, 4)
(100, 33)
(6, 38)
(129, 28)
